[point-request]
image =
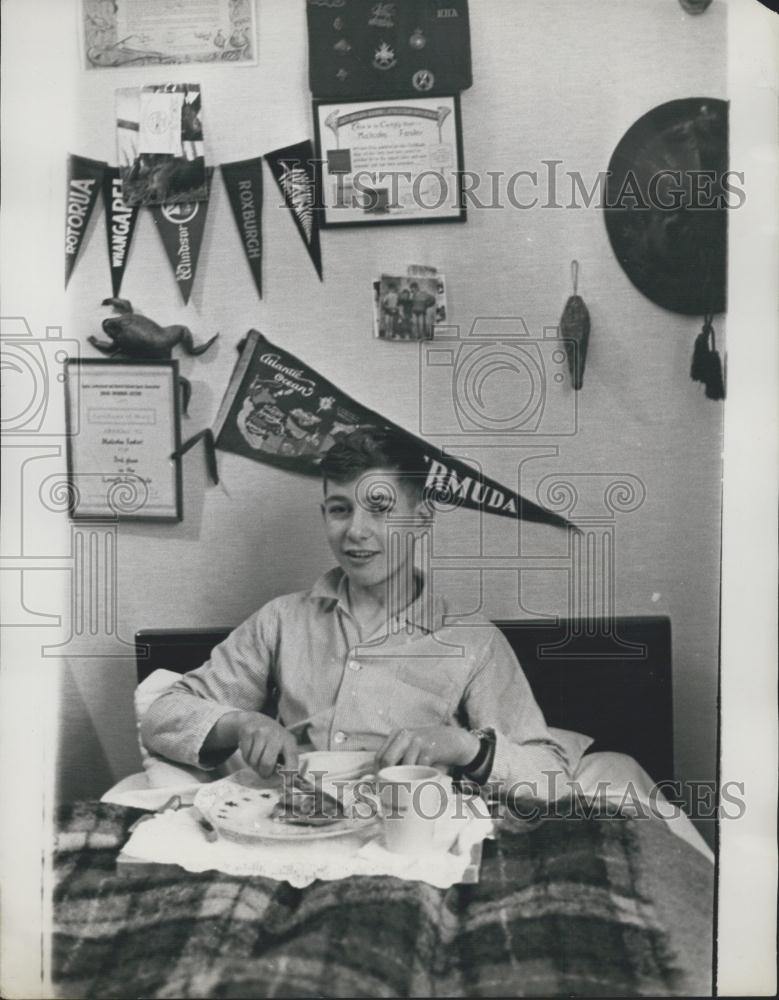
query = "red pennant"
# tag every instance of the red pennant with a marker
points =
(280, 411)
(85, 178)
(120, 219)
(243, 181)
(293, 169)
(181, 227)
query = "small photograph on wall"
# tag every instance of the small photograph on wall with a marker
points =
(409, 307)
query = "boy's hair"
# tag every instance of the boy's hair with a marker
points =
(375, 448)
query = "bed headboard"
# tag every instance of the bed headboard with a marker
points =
(608, 678)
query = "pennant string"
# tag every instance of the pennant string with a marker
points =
(207, 437)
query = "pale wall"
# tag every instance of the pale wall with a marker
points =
(559, 80)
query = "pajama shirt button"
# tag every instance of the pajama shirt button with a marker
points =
(339, 737)
(355, 665)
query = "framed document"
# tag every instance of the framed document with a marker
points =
(162, 32)
(390, 161)
(123, 424)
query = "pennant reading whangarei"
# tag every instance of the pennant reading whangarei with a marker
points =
(120, 219)
(294, 170)
(181, 227)
(243, 181)
(85, 178)
(280, 411)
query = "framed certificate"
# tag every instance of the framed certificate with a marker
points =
(123, 425)
(389, 161)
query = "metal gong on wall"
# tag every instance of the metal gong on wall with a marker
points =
(666, 200)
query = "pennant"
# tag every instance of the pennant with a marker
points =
(120, 220)
(181, 227)
(280, 411)
(243, 180)
(293, 168)
(85, 178)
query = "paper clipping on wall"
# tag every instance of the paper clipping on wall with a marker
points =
(159, 144)
(117, 33)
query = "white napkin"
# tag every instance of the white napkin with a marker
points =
(176, 838)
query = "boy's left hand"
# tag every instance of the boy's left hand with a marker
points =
(429, 745)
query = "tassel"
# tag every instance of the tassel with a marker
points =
(575, 331)
(700, 354)
(706, 365)
(715, 384)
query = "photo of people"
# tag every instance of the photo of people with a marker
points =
(409, 307)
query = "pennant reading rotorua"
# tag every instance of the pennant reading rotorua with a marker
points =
(120, 219)
(293, 168)
(181, 226)
(85, 178)
(280, 411)
(243, 181)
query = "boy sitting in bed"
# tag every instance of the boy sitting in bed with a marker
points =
(364, 660)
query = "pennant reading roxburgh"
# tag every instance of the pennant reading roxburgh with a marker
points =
(280, 411)
(293, 168)
(243, 181)
(85, 177)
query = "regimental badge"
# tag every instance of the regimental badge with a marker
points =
(382, 15)
(384, 57)
(423, 80)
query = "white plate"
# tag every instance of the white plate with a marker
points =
(340, 765)
(240, 807)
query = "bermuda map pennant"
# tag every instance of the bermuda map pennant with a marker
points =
(120, 220)
(181, 227)
(293, 168)
(280, 411)
(85, 178)
(243, 180)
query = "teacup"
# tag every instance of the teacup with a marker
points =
(412, 797)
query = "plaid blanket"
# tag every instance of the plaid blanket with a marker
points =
(600, 907)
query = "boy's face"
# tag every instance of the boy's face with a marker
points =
(356, 515)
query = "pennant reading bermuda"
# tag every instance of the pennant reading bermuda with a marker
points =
(120, 219)
(280, 411)
(85, 178)
(293, 168)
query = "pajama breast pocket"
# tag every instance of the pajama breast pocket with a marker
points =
(422, 695)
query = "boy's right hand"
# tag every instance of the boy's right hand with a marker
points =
(263, 742)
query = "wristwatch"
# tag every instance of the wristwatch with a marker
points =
(485, 753)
